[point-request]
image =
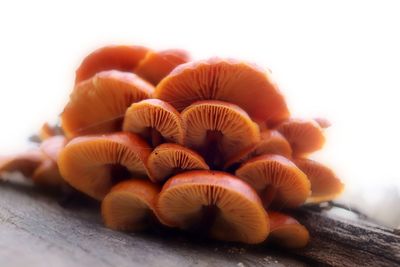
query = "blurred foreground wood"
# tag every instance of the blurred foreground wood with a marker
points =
(36, 231)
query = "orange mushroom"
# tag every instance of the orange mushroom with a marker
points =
(98, 105)
(155, 120)
(325, 185)
(287, 231)
(277, 180)
(47, 131)
(305, 136)
(237, 82)
(118, 57)
(25, 163)
(129, 206)
(169, 159)
(92, 164)
(216, 203)
(218, 130)
(47, 174)
(52, 146)
(156, 65)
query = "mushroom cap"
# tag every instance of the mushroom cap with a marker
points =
(167, 158)
(87, 162)
(156, 65)
(239, 213)
(116, 57)
(325, 185)
(25, 163)
(323, 122)
(305, 136)
(238, 130)
(291, 185)
(287, 231)
(237, 82)
(129, 204)
(47, 174)
(98, 105)
(52, 146)
(156, 114)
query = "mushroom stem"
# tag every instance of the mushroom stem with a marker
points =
(212, 153)
(204, 224)
(119, 173)
(268, 195)
(154, 137)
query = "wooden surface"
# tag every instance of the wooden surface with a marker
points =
(36, 231)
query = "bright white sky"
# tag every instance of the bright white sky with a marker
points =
(338, 59)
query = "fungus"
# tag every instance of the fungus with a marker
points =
(169, 159)
(214, 203)
(237, 82)
(25, 163)
(323, 122)
(118, 57)
(287, 231)
(218, 130)
(325, 185)
(52, 146)
(304, 136)
(156, 120)
(129, 206)
(98, 105)
(156, 65)
(47, 174)
(277, 180)
(92, 164)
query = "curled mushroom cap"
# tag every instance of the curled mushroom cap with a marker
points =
(98, 105)
(91, 164)
(218, 129)
(215, 202)
(229, 80)
(305, 136)
(156, 65)
(129, 206)
(277, 179)
(154, 119)
(118, 57)
(25, 163)
(287, 231)
(325, 185)
(47, 174)
(168, 159)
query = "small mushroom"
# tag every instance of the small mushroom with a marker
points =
(277, 180)
(129, 206)
(156, 65)
(48, 175)
(52, 146)
(325, 185)
(305, 136)
(287, 231)
(155, 120)
(218, 130)
(93, 164)
(169, 159)
(24, 163)
(323, 122)
(98, 105)
(237, 82)
(214, 203)
(117, 57)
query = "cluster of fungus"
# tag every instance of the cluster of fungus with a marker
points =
(206, 146)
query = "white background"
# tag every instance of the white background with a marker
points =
(338, 59)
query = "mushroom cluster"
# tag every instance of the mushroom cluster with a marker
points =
(206, 146)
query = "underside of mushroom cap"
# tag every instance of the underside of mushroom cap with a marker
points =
(91, 164)
(117, 57)
(237, 82)
(286, 231)
(156, 65)
(325, 185)
(227, 208)
(98, 105)
(216, 128)
(25, 163)
(157, 116)
(304, 136)
(169, 159)
(129, 206)
(277, 179)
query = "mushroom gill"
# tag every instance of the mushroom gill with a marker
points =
(277, 179)
(169, 159)
(325, 185)
(213, 203)
(98, 105)
(93, 164)
(129, 206)
(237, 82)
(155, 120)
(218, 130)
